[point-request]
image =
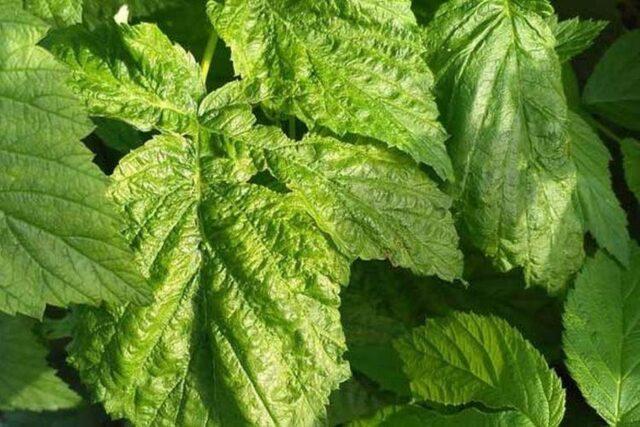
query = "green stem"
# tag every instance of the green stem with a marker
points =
(292, 127)
(207, 56)
(602, 128)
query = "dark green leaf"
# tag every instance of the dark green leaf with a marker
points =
(631, 152)
(417, 416)
(26, 381)
(613, 90)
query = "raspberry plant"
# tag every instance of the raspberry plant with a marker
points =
(297, 212)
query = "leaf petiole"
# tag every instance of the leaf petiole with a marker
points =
(292, 127)
(601, 128)
(207, 56)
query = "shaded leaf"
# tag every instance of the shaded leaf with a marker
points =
(28, 383)
(601, 336)
(500, 89)
(631, 152)
(417, 416)
(601, 211)
(613, 90)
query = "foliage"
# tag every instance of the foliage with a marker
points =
(297, 212)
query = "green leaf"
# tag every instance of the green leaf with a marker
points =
(534, 313)
(417, 416)
(613, 90)
(354, 400)
(602, 215)
(601, 336)
(132, 73)
(574, 36)
(571, 87)
(28, 383)
(183, 21)
(245, 327)
(374, 203)
(425, 9)
(57, 13)
(631, 152)
(466, 358)
(59, 242)
(87, 416)
(117, 135)
(370, 334)
(351, 66)
(500, 90)
(382, 303)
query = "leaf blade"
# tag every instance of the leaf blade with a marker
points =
(600, 323)
(509, 143)
(374, 203)
(574, 36)
(602, 213)
(354, 67)
(59, 240)
(467, 358)
(612, 89)
(132, 73)
(246, 302)
(416, 416)
(28, 383)
(631, 162)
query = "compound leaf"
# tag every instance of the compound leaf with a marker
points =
(603, 217)
(499, 86)
(601, 338)
(245, 328)
(351, 66)
(28, 383)
(59, 242)
(374, 203)
(466, 358)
